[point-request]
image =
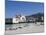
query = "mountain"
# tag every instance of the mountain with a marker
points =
(36, 15)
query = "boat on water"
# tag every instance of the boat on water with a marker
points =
(19, 19)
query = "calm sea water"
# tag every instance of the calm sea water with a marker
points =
(14, 26)
(7, 26)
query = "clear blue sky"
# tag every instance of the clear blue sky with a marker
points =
(25, 8)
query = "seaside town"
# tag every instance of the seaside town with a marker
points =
(39, 17)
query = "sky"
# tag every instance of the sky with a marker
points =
(20, 7)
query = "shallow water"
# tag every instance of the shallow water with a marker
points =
(7, 26)
(19, 25)
(24, 28)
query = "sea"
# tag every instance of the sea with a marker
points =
(17, 25)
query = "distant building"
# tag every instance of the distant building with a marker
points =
(39, 17)
(8, 20)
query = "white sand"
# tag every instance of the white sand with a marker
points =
(32, 28)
